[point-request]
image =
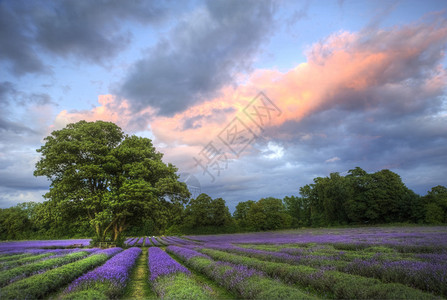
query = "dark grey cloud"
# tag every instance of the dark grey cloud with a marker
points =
(86, 30)
(16, 48)
(201, 54)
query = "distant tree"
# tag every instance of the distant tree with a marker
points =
(268, 214)
(204, 211)
(360, 197)
(299, 209)
(436, 205)
(18, 222)
(98, 172)
(241, 213)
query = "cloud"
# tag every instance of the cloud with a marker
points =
(333, 159)
(374, 99)
(90, 31)
(19, 54)
(112, 109)
(22, 127)
(204, 52)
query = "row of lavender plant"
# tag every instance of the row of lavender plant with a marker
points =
(171, 280)
(157, 241)
(14, 274)
(23, 260)
(40, 285)
(244, 281)
(413, 239)
(22, 245)
(307, 259)
(109, 279)
(325, 281)
(429, 276)
(45, 254)
(13, 253)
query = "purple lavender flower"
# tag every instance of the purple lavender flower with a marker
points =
(234, 275)
(42, 244)
(173, 240)
(155, 241)
(160, 264)
(109, 251)
(185, 253)
(115, 271)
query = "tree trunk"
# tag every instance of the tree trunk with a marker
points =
(118, 228)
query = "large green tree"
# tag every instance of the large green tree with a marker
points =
(98, 172)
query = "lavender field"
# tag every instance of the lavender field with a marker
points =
(355, 263)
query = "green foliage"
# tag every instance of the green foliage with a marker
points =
(241, 213)
(86, 295)
(204, 212)
(114, 180)
(436, 205)
(40, 285)
(180, 286)
(15, 223)
(265, 214)
(359, 197)
(268, 214)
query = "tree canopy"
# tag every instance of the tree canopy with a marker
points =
(113, 179)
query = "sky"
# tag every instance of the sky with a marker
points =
(249, 99)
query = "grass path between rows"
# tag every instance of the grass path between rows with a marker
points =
(138, 286)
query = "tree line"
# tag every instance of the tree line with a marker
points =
(108, 185)
(358, 198)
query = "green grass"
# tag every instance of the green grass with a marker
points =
(138, 286)
(180, 286)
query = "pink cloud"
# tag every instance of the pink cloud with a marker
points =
(111, 109)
